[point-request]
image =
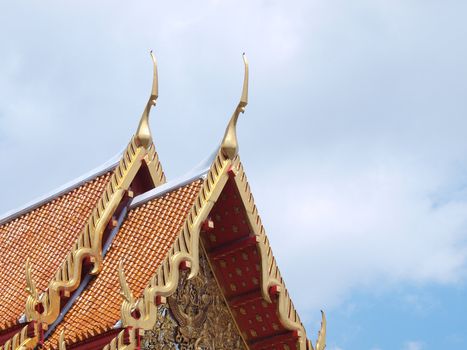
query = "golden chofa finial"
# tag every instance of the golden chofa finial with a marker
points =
(229, 145)
(143, 133)
(321, 341)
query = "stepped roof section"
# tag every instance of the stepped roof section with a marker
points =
(142, 242)
(58, 240)
(224, 222)
(149, 236)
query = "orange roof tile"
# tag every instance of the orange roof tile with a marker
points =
(142, 242)
(44, 234)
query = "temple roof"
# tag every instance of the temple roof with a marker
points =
(43, 232)
(73, 249)
(142, 243)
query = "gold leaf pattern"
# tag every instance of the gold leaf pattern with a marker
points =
(195, 317)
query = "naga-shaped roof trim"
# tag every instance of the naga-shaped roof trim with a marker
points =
(185, 251)
(44, 309)
(225, 167)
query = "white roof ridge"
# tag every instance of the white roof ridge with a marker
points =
(198, 172)
(69, 186)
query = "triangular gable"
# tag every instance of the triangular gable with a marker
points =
(196, 316)
(225, 178)
(138, 169)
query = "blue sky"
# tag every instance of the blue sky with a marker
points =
(353, 141)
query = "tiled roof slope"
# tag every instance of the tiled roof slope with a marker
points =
(142, 242)
(44, 235)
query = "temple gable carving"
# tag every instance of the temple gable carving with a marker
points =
(195, 317)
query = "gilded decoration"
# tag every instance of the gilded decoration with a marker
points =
(186, 248)
(195, 317)
(46, 307)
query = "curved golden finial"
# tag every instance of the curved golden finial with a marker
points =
(61, 341)
(143, 133)
(321, 341)
(229, 145)
(125, 290)
(30, 284)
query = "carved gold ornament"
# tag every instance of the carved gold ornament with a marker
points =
(45, 309)
(229, 145)
(143, 133)
(196, 317)
(186, 249)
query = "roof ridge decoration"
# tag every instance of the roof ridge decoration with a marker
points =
(229, 145)
(321, 341)
(42, 310)
(143, 133)
(140, 315)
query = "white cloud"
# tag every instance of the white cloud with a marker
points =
(413, 345)
(370, 226)
(354, 139)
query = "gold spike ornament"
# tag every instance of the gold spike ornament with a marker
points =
(30, 284)
(185, 249)
(125, 290)
(321, 341)
(229, 145)
(143, 133)
(61, 341)
(44, 308)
